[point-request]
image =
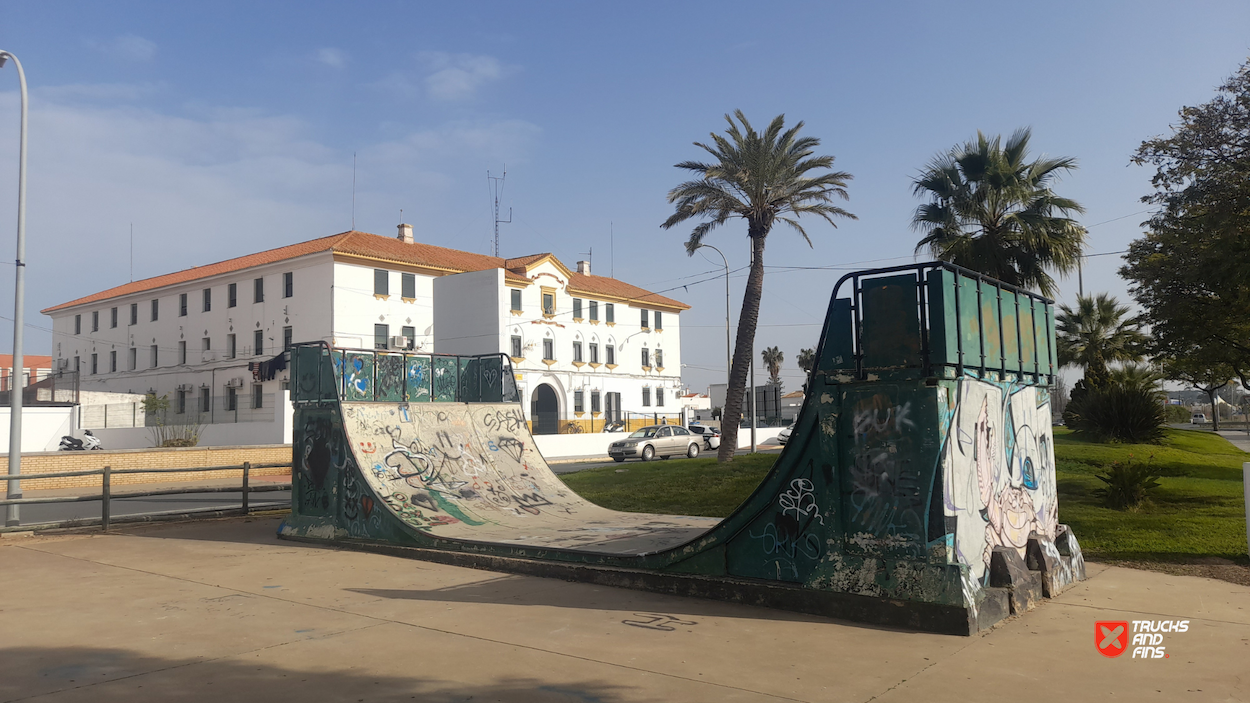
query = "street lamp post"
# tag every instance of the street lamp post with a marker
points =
(728, 353)
(15, 391)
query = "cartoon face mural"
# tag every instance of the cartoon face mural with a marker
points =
(998, 469)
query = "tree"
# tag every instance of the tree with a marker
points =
(764, 178)
(1204, 372)
(773, 357)
(1095, 334)
(807, 362)
(1190, 273)
(993, 211)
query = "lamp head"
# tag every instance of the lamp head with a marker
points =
(3, 59)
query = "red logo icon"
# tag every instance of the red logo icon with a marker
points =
(1111, 637)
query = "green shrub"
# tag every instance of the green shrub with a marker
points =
(1176, 413)
(1117, 413)
(1128, 485)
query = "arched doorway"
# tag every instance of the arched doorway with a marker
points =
(545, 410)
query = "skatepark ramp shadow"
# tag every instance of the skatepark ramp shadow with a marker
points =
(917, 489)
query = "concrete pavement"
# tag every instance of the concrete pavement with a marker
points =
(221, 610)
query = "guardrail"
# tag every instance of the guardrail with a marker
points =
(107, 496)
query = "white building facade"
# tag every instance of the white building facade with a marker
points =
(586, 349)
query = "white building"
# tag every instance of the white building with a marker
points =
(587, 349)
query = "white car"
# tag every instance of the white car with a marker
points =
(711, 435)
(784, 435)
(1198, 419)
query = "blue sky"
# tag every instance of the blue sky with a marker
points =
(219, 129)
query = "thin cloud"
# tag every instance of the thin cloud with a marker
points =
(128, 47)
(455, 77)
(334, 58)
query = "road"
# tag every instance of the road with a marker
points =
(57, 512)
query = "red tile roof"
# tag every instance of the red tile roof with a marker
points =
(29, 361)
(386, 249)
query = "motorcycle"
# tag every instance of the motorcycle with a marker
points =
(89, 441)
(615, 427)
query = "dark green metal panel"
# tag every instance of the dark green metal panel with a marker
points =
(991, 328)
(417, 382)
(319, 453)
(510, 392)
(943, 323)
(390, 378)
(891, 322)
(306, 370)
(838, 353)
(446, 378)
(1050, 339)
(470, 380)
(1009, 319)
(1028, 335)
(358, 375)
(331, 386)
(492, 379)
(969, 325)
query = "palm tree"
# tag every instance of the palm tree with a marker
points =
(763, 178)
(773, 357)
(806, 361)
(993, 211)
(1095, 334)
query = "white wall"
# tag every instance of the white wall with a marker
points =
(468, 309)
(42, 427)
(357, 309)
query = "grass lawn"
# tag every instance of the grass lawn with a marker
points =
(1196, 513)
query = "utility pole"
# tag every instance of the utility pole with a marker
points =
(19, 301)
(496, 187)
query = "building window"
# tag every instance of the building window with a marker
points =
(181, 407)
(516, 346)
(208, 299)
(579, 401)
(206, 399)
(408, 285)
(95, 320)
(549, 303)
(113, 318)
(380, 333)
(577, 351)
(95, 364)
(134, 313)
(156, 310)
(594, 309)
(78, 324)
(644, 318)
(610, 313)
(231, 347)
(232, 399)
(659, 320)
(288, 287)
(113, 361)
(258, 396)
(659, 358)
(258, 342)
(549, 347)
(182, 305)
(594, 402)
(646, 396)
(77, 365)
(646, 356)
(516, 300)
(594, 352)
(156, 359)
(208, 343)
(232, 295)
(610, 355)
(411, 334)
(134, 358)
(577, 308)
(381, 282)
(659, 397)
(258, 293)
(288, 338)
(182, 352)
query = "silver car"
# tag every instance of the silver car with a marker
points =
(656, 441)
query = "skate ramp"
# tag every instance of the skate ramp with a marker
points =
(471, 472)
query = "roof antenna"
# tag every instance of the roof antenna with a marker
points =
(590, 255)
(611, 251)
(353, 191)
(132, 252)
(496, 187)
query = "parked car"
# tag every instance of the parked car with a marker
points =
(710, 435)
(784, 435)
(1198, 419)
(663, 441)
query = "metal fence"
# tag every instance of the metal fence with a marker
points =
(49, 388)
(118, 415)
(107, 496)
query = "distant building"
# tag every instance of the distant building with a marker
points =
(697, 406)
(35, 368)
(791, 404)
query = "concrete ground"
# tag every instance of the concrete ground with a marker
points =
(222, 610)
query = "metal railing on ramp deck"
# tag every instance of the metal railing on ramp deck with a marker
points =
(106, 496)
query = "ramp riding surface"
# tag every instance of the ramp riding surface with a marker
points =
(917, 489)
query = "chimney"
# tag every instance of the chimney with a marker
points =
(583, 267)
(405, 234)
